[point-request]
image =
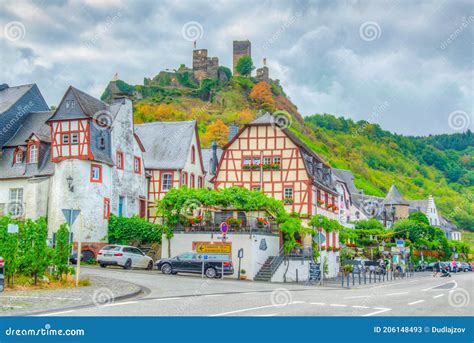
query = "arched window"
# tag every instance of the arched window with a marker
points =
(193, 155)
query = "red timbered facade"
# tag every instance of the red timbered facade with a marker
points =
(263, 156)
(70, 139)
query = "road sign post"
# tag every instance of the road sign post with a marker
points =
(320, 238)
(240, 254)
(79, 250)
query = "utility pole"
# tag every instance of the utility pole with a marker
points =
(79, 246)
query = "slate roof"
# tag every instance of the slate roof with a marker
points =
(447, 225)
(347, 177)
(9, 96)
(34, 123)
(394, 197)
(167, 144)
(418, 205)
(267, 118)
(87, 105)
(207, 158)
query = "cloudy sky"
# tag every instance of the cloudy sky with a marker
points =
(406, 65)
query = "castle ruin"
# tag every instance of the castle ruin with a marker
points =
(241, 49)
(203, 66)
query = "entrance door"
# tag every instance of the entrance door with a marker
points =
(121, 205)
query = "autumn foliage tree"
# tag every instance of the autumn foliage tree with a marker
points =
(217, 131)
(262, 95)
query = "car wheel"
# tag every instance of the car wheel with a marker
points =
(150, 265)
(211, 273)
(166, 269)
(103, 265)
(128, 264)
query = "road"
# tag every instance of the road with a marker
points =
(178, 295)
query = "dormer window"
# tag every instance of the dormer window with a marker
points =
(70, 104)
(18, 157)
(32, 152)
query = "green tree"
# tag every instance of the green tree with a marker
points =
(368, 224)
(9, 249)
(245, 66)
(419, 217)
(35, 255)
(62, 251)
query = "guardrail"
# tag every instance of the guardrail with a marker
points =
(368, 277)
(270, 229)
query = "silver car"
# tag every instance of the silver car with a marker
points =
(123, 256)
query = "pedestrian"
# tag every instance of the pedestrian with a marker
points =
(436, 268)
(454, 266)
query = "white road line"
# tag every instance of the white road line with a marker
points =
(337, 305)
(242, 310)
(164, 299)
(213, 295)
(379, 310)
(359, 296)
(427, 289)
(54, 313)
(438, 296)
(119, 304)
(249, 293)
(266, 315)
(415, 302)
(358, 306)
(297, 302)
(397, 293)
(322, 304)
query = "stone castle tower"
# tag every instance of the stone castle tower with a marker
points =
(203, 66)
(241, 48)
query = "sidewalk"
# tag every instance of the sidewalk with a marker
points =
(101, 292)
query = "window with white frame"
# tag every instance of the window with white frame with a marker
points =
(15, 206)
(166, 182)
(18, 156)
(277, 160)
(74, 138)
(267, 160)
(288, 193)
(65, 138)
(33, 153)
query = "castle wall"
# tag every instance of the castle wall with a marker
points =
(240, 49)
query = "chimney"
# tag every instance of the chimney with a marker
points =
(214, 158)
(233, 130)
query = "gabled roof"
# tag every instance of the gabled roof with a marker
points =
(10, 95)
(207, 158)
(10, 170)
(88, 106)
(394, 197)
(167, 144)
(34, 123)
(347, 177)
(418, 205)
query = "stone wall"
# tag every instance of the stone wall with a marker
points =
(204, 66)
(241, 48)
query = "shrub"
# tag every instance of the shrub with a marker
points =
(125, 230)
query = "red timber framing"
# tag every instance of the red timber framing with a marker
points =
(156, 191)
(258, 143)
(67, 149)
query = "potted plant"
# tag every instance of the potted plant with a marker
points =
(288, 201)
(261, 223)
(234, 222)
(242, 274)
(320, 203)
(275, 166)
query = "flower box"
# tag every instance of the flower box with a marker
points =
(288, 201)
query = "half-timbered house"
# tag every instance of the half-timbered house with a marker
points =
(172, 158)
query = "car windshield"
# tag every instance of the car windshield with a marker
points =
(111, 248)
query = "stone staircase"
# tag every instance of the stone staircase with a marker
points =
(269, 267)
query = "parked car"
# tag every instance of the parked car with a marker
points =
(357, 265)
(123, 256)
(86, 255)
(430, 266)
(195, 264)
(464, 266)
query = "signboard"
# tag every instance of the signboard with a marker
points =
(263, 244)
(314, 272)
(319, 238)
(395, 259)
(400, 243)
(70, 215)
(213, 257)
(240, 253)
(12, 228)
(213, 248)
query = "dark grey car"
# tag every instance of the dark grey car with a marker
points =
(213, 266)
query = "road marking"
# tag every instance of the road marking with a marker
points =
(415, 302)
(266, 315)
(54, 313)
(297, 302)
(213, 295)
(250, 293)
(455, 285)
(359, 296)
(438, 296)
(379, 310)
(164, 299)
(337, 305)
(119, 304)
(398, 293)
(242, 310)
(322, 304)
(358, 306)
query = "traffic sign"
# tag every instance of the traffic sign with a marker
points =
(12, 228)
(2, 262)
(400, 243)
(320, 238)
(214, 248)
(70, 215)
(224, 227)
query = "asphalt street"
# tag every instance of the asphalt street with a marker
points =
(179, 295)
